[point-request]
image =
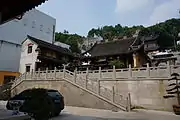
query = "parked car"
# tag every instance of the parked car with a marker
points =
(36, 101)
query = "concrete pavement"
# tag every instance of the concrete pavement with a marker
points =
(76, 113)
(7, 115)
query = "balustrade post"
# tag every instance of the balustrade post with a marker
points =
(86, 80)
(75, 75)
(64, 71)
(113, 94)
(130, 72)
(128, 105)
(100, 73)
(168, 69)
(55, 69)
(39, 73)
(32, 74)
(25, 75)
(20, 77)
(148, 70)
(114, 73)
(98, 87)
(46, 73)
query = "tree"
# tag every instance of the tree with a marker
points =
(66, 32)
(117, 64)
(119, 29)
(71, 39)
(167, 31)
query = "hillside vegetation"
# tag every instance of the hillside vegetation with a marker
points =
(167, 31)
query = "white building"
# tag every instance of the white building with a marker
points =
(28, 56)
(37, 54)
(33, 23)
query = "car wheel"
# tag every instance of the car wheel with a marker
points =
(31, 115)
(57, 113)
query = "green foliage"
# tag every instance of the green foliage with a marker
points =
(167, 31)
(110, 32)
(117, 64)
(71, 39)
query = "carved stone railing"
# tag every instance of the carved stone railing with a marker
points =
(129, 73)
(95, 86)
(92, 85)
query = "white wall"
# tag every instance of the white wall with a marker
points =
(28, 58)
(34, 23)
(9, 57)
(16, 31)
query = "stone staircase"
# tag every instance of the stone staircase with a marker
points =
(84, 83)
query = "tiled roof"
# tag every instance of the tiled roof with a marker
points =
(12, 8)
(47, 45)
(112, 48)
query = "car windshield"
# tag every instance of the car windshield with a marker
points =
(54, 93)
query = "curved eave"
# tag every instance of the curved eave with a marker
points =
(12, 9)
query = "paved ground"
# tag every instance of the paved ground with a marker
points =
(7, 115)
(75, 113)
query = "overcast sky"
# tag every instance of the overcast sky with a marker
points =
(79, 16)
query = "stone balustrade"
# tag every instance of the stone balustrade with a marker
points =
(145, 85)
(85, 82)
(129, 73)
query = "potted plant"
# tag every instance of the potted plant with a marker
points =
(174, 91)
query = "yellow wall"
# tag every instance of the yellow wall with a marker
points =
(7, 73)
(139, 60)
(136, 60)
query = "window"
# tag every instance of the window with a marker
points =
(48, 31)
(146, 46)
(41, 27)
(25, 22)
(33, 24)
(151, 45)
(29, 49)
(28, 68)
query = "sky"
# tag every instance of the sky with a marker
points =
(79, 16)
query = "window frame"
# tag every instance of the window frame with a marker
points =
(29, 68)
(29, 51)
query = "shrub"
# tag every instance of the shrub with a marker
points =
(117, 64)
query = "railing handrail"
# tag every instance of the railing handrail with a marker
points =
(126, 69)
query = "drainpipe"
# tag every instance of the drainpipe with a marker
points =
(0, 17)
(1, 42)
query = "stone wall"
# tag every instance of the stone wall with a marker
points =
(144, 93)
(73, 95)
